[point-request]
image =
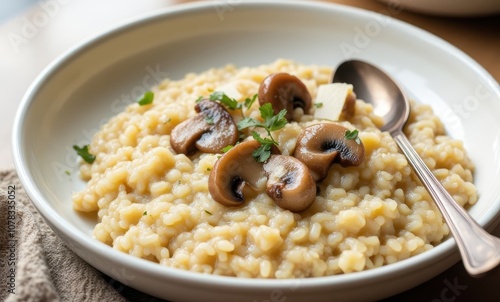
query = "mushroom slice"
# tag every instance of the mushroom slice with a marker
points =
(289, 183)
(209, 131)
(236, 175)
(320, 146)
(285, 91)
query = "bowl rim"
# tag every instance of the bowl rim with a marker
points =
(442, 250)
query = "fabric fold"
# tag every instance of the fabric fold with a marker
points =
(43, 268)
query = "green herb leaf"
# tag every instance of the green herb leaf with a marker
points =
(247, 122)
(249, 101)
(266, 111)
(271, 123)
(84, 153)
(227, 148)
(318, 105)
(276, 122)
(352, 135)
(145, 213)
(225, 100)
(146, 98)
(206, 211)
(199, 99)
(262, 153)
(263, 140)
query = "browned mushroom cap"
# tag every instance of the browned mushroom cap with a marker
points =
(284, 91)
(209, 131)
(289, 183)
(321, 145)
(236, 174)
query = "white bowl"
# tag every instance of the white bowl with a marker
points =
(449, 8)
(84, 87)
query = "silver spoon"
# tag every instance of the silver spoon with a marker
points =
(480, 251)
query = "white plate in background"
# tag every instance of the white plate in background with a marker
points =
(449, 8)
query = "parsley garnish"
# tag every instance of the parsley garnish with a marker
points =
(146, 98)
(206, 211)
(84, 153)
(247, 122)
(145, 213)
(318, 105)
(225, 100)
(271, 123)
(249, 101)
(227, 148)
(262, 153)
(352, 135)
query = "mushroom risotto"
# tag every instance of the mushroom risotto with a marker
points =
(252, 172)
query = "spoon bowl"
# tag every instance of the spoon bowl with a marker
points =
(376, 87)
(480, 251)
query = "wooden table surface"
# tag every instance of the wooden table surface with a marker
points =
(25, 51)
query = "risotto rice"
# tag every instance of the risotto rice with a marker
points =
(155, 204)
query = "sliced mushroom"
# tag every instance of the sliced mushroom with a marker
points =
(236, 175)
(289, 183)
(209, 131)
(285, 91)
(321, 145)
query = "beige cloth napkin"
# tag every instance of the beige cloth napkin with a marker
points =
(45, 269)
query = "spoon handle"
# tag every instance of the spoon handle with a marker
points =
(480, 250)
